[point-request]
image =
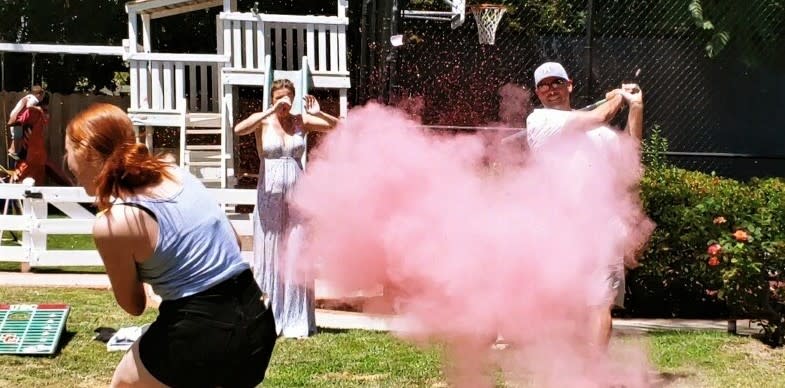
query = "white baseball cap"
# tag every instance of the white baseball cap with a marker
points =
(549, 69)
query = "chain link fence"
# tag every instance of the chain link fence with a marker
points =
(713, 78)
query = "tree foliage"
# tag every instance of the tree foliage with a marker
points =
(754, 28)
(99, 22)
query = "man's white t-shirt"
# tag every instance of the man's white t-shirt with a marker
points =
(543, 124)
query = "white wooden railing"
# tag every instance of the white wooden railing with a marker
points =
(176, 83)
(35, 224)
(180, 83)
(248, 38)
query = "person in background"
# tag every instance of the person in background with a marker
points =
(28, 122)
(30, 100)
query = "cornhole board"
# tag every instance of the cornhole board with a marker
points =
(31, 328)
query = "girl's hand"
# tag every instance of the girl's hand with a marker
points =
(311, 105)
(283, 104)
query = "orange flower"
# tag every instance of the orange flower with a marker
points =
(720, 220)
(714, 261)
(741, 235)
(714, 249)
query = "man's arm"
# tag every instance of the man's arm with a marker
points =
(603, 114)
(635, 121)
(634, 98)
(607, 111)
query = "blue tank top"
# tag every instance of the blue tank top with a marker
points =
(196, 246)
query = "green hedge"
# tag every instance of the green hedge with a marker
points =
(718, 249)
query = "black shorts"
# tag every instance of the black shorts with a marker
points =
(221, 337)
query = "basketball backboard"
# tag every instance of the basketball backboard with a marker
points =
(456, 15)
(459, 13)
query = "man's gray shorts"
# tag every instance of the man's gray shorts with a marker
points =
(617, 286)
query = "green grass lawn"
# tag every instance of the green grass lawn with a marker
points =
(331, 359)
(365, 359)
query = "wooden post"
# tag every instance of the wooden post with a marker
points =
(132, 32)
(33, 240)
(227, 133)
(146, 33)
(230, 5)
(148, 137)
(344, 103)
(219, 30)
(342, 5)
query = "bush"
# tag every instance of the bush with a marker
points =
(718, 249)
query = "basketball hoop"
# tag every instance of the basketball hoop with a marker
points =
(487, 17)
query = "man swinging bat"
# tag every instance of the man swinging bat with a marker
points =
(553, 88)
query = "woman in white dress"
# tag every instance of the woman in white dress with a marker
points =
(280, 142)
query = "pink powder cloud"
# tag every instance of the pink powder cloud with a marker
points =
(467, 251)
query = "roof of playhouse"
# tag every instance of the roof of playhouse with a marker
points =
(162, 8)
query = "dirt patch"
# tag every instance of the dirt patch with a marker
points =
(632, 348)
(760, 354)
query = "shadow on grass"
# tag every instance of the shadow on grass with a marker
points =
(70, 270)
(9, 266)
(327, 330)
(665, 379)
(65, 339)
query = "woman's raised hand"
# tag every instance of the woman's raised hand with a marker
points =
(312, 105)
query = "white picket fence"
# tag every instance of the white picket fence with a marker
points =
(35, 224)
